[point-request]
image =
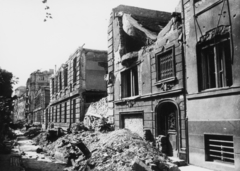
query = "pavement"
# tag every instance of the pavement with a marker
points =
(193, 168)
(24, 157)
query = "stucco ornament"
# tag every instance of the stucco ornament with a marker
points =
(166, 86)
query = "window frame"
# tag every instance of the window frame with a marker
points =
(220, 72)
(129, 69)
(160, 54)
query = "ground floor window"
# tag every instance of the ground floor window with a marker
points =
(65, 112)
(219, 148)
(60, 113)
(74, 111)
(56, 114)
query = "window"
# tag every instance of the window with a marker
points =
(165, 65)
(49, 115)
(65, 112)
(130, 82)
(74, 111)
(60, 80)
(56, 114)
(52, 114)
(214, 62)
(53, 86)
(56, 79)
(60, 113)
(65, 77)
(219, 148)
(75, 70)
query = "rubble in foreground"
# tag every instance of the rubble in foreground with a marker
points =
(119, 150)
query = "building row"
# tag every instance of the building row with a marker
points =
(37, 95)
(76, 84)
(177, 75)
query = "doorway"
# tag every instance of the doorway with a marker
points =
(167, 126)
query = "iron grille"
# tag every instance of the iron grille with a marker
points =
(219, 148)
(165, 68)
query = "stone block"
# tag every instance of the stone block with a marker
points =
(138, 165)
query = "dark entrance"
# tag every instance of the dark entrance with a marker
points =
(167, 125)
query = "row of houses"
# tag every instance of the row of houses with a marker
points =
(177, 75)
(168, 74)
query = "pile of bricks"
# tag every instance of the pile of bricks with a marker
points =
(117, 150)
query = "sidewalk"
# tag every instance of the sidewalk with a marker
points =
(193, 168)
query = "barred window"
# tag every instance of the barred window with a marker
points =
(165, 65)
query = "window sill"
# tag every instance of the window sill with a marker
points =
(127, 99)
(130, 98)
(214, 92)
(165, 81)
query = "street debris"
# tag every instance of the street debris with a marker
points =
(118, 150)
(32, 132)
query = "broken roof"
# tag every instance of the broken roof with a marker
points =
(149, 19)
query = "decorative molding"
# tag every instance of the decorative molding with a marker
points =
(130, 103)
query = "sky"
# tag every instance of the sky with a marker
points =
(27, 43)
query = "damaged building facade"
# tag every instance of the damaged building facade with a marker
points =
(177, 75)
(37, 80)
(77, 83)
(145, 68)
(212, 39)
(19, 104)
(41, 101)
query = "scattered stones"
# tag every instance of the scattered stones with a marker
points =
(118, 150)
(39, 150)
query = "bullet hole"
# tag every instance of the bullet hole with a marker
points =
(234, 16)
(204, 27)
(224, 12)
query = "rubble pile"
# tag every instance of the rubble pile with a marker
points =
(118, 150)
(32, 132)
(41, 139)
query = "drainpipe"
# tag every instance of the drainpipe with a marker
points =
(185, 80)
